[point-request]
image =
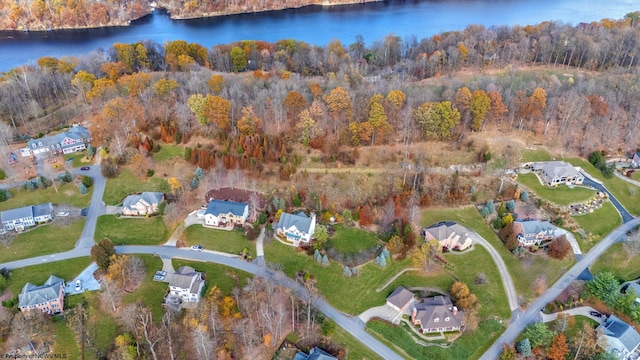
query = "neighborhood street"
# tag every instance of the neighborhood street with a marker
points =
(532, 313)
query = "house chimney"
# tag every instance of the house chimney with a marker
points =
(455, 310)
(413, 314)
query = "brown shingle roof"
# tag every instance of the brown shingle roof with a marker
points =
(400, 297)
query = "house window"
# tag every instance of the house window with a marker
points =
(33, 145)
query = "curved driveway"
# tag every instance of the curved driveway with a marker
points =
(626, 216)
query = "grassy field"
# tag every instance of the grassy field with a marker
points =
(599, 223)
(535, 155)
(561, 195)
(469, 346)
(351, 240)
(355, 349)
(168, 152)
(232, 242)
(65, 342)
(38, 274)
(523, 273)
(150, 292)
(77, 159)
(617, 261)
(574, 326)
(225, 278)
(126, 183)
(66, 194)
(43, 240)
(127, 231)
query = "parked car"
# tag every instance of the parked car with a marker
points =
(78, 285)
(85, 168)
(160, 275)
(63, 214)
(595, 313)
(196, 247)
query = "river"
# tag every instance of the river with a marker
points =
(313, 24)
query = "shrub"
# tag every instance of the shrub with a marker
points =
(83, 189)
(490, 206)
(87, 181)
(511, 205)
(30, 185)
(4, 195)
(150, 172)
(524, 348)
(3, 175)
(66, 178)
(559, 248)
(524, 196)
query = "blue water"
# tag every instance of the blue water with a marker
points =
(314, 24)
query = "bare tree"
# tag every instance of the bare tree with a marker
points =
(145, 321)
(632, 244)
(7, 237)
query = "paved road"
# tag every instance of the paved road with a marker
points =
(626, 217)
(532, 314)
(627, 179)
(96, 208)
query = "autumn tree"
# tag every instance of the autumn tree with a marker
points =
(437, 119)
(378, 118)
(463, 104)
(424, 256)
(340, 107)
(306, 128)
(249, 123)
(238, 59)
(175, 185)
(559, 248)
(462, 296)
(395, 101)
(294, 103)
(497, 109)
(125, 270)
(479, 107)
(559, 348)
(101, 253)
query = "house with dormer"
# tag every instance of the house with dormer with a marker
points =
(534, 232)
(143, 204)
(20, 218)
(437, 314)
(296, 228)
(48, 298)
(70, 141)
(619, 338)
(186, 285)
(554, 173)
(223, 213)
(452, 236)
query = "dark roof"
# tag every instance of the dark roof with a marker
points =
(537, 226)
(42, 209)
(438, 312)
(616, 328)
(301, 222)
(217, 207)
(314, 354)
(400, 297)
(236, 195)
(148, 196)
(33, 295)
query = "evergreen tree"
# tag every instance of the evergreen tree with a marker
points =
(346, 271)
(316, 255)
(194, 183)
(325, 260)
(83, 189)
(199, 173)
(524, 348)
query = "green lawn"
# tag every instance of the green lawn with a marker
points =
(65, 342)
(469, 346)
(599, 223)
(351, 240)
(561, 195)
(77, 159)
(636, 175)
(43, 240)
(574, 326)
(126, 183)
(232, 242)
(66, 194)
(535, 155)
(128, 231)
(617, 261)
(225, 278)
(38, 274)
(168, 152)
(355, 349)
(150, 292)
(523, 278)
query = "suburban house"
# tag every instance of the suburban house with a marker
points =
(221, 212)
(437, 314)
(142, 204)
(70, 141)
(314, 354)
(620, 338)
(452, 236)
(186, 284)
(20, 218)
(296, 227)
(635, 161)
(48, 298)
(633, 285)
(400, 299)
(554, 173)
(534, 232)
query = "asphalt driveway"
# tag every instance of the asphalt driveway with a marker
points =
(89, 283)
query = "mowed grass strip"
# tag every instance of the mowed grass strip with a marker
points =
(600, 222)
(355, 349)
(169, 152)
(66, 194)
(351, 240)
(38, 274)
(524, 273)
(128, 231)
(232, 242)
(44, 239)
(561, 195)
(618, 261)
(126, 183)
(223, 277)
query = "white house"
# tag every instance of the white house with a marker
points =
(554, 173)
(186, 284)
(296, 227)
(621, 339)
(70, 141)
(18, 219)
(142, 204)
(220, 213)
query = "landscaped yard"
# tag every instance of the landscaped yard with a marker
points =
(599, 223)
(469, 346)
(617, 261)
(38, 274)
(126, 183)
(128, 231)
(524, 273)
(150, 293)
(43, 240)
(66, 194)
(574, 325)
(78, 158)
(223, 277)
(561, 195)
(232, 242)
(636, 175)
(168, 152)
(351, 240)
(355, 349)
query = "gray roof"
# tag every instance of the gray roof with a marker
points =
(148, 196)
(301, 222)
(184, 278)
(75, 132)
(314, 354)
(33, 295)
(440, 308)
(635, 287)
(537, 226)
(443, 230)
(42, 209)
(217, 207)
(15, 214)
(557, 169)
(400, 297)
(616, 328)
